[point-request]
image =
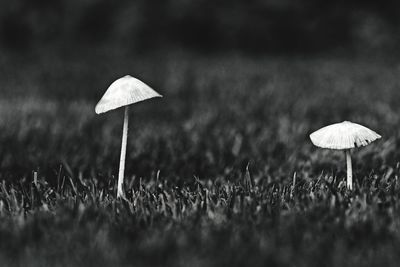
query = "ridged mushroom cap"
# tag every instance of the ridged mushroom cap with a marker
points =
(344, 135)
(123, 92)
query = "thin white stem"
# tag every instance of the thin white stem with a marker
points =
(35, 178)
(293, 185)
(120, 192)
(349, 170)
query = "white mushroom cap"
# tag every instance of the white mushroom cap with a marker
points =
(124, 91)
(344, 135)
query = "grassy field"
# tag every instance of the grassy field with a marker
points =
(210, 167)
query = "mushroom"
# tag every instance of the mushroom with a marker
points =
(122, 93)
(344, 136)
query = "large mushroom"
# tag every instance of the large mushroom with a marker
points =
(122, 93)
(344, 136)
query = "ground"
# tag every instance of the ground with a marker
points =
(220, 171)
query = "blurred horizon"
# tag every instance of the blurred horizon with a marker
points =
(251, 27)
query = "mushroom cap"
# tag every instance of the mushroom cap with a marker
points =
(123, 92)
(344, 135)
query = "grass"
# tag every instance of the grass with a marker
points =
(210, 166)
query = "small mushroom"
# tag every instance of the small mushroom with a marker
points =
(122, 93)
(344, 136)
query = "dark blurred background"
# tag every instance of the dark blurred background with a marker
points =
(256, 26)
(235, 74)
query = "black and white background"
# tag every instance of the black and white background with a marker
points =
(221, 170)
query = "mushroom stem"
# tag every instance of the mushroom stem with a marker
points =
(120, 192)
(349, 170)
